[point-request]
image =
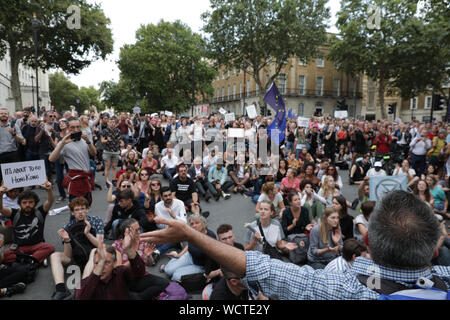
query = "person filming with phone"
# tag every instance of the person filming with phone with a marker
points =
(76, 149)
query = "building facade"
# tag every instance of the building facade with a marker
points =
(27, 78)
(307, 88)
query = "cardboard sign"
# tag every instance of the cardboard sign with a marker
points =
(205, 111)
(341, 114)
(303, 122)
(230, 117)
(236, 133)
(24, 174)
(223, 111)
(251, 111)
(136, 110)
(168, 113)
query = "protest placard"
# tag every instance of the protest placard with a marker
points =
(223, 111)
(236, 133)
(303, 122)
(168, 113)
(382, 185)
(341, 114)
(251, 111)
(136, 110)
(230, 117)
(24, 174)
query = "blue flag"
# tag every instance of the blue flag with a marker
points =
(275, 100)
(291, 114)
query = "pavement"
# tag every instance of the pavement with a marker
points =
(236, 211)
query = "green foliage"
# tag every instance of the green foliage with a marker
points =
(158, 67)
(265, 33)
(118, 95)
(59, 46)
(406, 52)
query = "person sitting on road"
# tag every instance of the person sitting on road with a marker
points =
(351, 250)
(376, 171)
(272, 229)
(332, 171)
(345, 220)
(325, 240)
(406, 170)
(328, 190)
(12, 278)
(229, 288)
(191, 259)
(312, 201)
(295, 219)
(169, 164)
(93, 228)
(361, 222)
(183, 188)
(359, 170)
(270, 193)
(28, 224)
(200, 177)
(149, 286)
(218, 178)
(104, 277)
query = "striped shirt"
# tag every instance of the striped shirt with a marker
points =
(338, 264)
(287, 281)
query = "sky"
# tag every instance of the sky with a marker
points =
(128, 15)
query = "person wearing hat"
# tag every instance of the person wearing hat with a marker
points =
(377, 170)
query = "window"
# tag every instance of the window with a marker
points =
(229, 73)
(428, 102)
(248, 87)
(240, 89)
(218, 93)
(223, 75)
(318, 109)
(413, 103)
(301, 85)
(282, 81)
(223, 92)
(319, 86)
(234, 90)
(320, 62)
(337, 87)
(234, 70)
(229, 92)
(301, 109)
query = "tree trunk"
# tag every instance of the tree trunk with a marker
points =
(15, 82)
(381, 96)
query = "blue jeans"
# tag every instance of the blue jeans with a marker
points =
(178, 267)
(418, 163)
(163, 248)
(169, 173)
(290, 146)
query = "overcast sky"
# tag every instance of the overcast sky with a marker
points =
(126, 17)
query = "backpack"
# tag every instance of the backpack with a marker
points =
(193, 282)
(299, 255)
(173, 292)
(31, 264)
(81, 246)
(391, 290)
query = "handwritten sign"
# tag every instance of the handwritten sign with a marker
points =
(230, 117)
(341, 114)
(223, 111)
(236, 133)
(136, 110)
(303, 122)
(24, 174)
(168, 113)
(251, 111)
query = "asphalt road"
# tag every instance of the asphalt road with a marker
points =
(235, 211)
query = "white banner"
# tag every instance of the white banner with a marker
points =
(136, 110)
(230, 117)
(223, 111)
(236, 133)
(251, 111)
(380, 186)
(24, 174)
(303, 122)
(341, 114)
(168, 113)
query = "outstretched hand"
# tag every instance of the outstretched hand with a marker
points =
(177, 231)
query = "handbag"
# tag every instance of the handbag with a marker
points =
(193, 282)
(267, 248)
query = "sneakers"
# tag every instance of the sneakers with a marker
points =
(350, 181)
(205, 214)
(60, 199)
(15, 289)
(207, 197)
(61, 295)
(226, 196)
(45, 263)
(156, 256)
(355, 204)
(217, 196)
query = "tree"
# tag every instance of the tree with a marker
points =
(264, 33)
(63, 93)
(61, 44)
(118, 95)
(158, 67)
(401, 51)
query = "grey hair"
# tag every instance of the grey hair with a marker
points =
(198, 218)
(403, 232)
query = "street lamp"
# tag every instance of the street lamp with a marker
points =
(193, 89)
(245, 65)
(78, 105)
(32, 89)
(35, 25)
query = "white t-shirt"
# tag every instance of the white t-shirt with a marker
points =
(273, 233)
(400, 172)
(373, 173)
(170, 163)
(278, 198)
(178, 210)
(360, 219)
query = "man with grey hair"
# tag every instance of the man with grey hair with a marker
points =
(402, 240)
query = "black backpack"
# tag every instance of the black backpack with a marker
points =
(81, 246)
(299, 255)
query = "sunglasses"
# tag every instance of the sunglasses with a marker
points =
(156, 184)
(126, 186)
(144, 174)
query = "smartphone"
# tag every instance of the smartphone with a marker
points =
(76, 136)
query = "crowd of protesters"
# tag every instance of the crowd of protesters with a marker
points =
(158, 166)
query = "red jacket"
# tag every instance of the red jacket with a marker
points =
(78, 183)
(382, 143)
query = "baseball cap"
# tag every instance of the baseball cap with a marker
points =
(378, 164)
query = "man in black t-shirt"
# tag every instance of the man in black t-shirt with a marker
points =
(183, 188)
(28, 224)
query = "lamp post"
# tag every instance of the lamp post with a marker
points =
(78, 105)
(193, 89)
(35, 25)
(245, 65)
(32, 89)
